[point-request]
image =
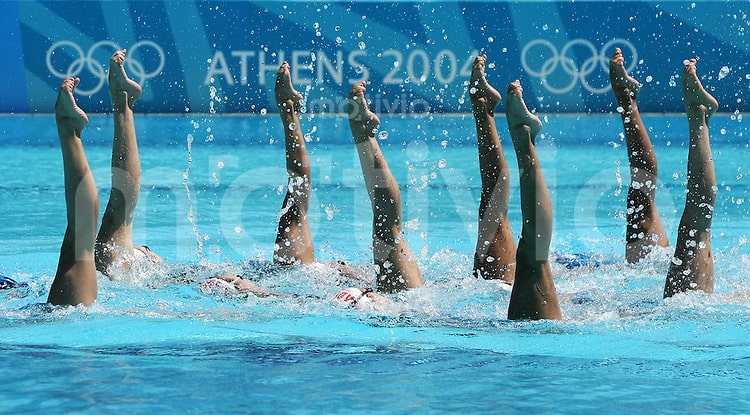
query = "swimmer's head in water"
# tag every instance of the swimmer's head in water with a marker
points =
(356, 297)
(353, 296)
(144, 252)
(218, 287)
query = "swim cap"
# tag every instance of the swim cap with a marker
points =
(217, 286)
(7, 283)
(572, 261)
(353, 296)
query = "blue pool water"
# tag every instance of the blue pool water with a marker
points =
(212, 188)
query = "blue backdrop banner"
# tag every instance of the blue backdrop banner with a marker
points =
(208, 56)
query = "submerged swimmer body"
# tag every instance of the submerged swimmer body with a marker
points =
(238, 287)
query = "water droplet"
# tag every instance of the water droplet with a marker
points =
(723, 72)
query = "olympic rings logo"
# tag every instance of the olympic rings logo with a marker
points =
(567, 62)
(96, 68)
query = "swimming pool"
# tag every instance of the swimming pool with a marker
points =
(211, 191)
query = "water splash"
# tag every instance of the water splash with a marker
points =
(186, 185)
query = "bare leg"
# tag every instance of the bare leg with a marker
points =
(495, 254)
(645, 229)
(692, 267)
(75, 278)
(294, 242)
(533, 295)
(115, 237)
(397, 268)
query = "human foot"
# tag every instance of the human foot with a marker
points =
(694, 93)
(518, 114)
(119, 83)
(624, 86)
(482, 94)
(363, 122)
(284, 91)
(67, 112)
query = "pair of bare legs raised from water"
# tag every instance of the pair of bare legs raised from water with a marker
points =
(496, 257)
(294, 244)
(692, 266)
(83, 251)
